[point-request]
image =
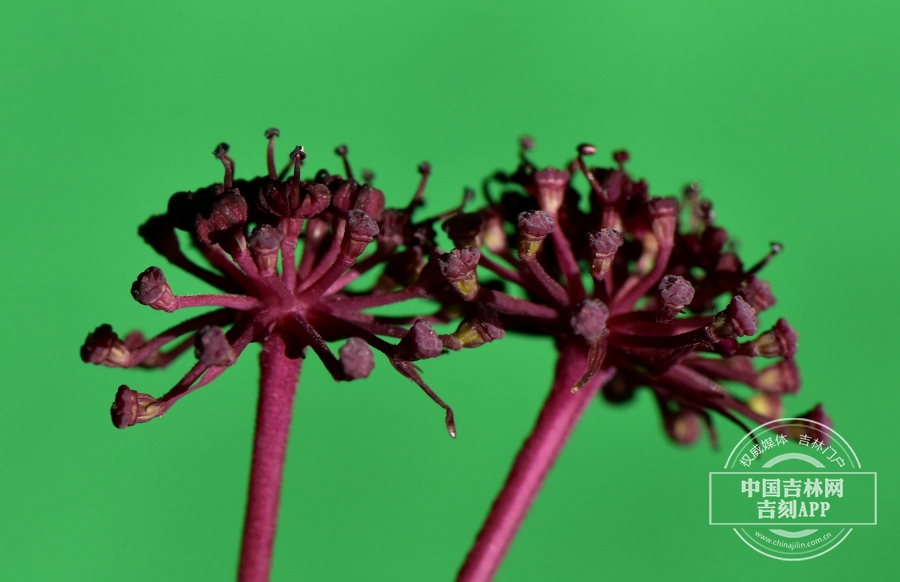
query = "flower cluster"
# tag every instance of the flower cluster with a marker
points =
(282, 252)
(648, 284)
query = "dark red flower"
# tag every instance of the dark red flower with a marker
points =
(246, 229)
(665, 306)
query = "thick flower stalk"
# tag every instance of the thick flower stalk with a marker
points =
(281, 252)
(637, 291)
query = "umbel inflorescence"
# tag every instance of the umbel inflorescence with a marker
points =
(636, 280)
(637, 291)
(282, 252)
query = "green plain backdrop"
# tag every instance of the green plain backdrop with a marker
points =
(786, 111)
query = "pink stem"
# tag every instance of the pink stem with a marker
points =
(558, 417)
(278, 383)
(240, 302)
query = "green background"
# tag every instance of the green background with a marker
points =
(786, 111)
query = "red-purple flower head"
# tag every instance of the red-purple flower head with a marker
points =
(281, 251)
(667, 305)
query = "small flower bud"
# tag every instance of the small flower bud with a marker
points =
(370, 201)
(779, 378)
(151, 289)
(479, 329)
(361, 230)
(227, 214)
(465, 229)
(817, 414)
(604, 244)
(420, 342)
(342, 192)
(280, 198)
(551, 188)
(103, 346)
(459, 268)
(663, 217)
(737, 320)
(589, 319)
(812, 431)
(757, 293)
(675, 292)
(356, 359)
(264, 243)
(682, 426)
(316, 199)
(493, 233)
(533, 226)
(778, 342)
(212, 348)
(618, 390)
(130, 408)
(769, 405)
(404, 268)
